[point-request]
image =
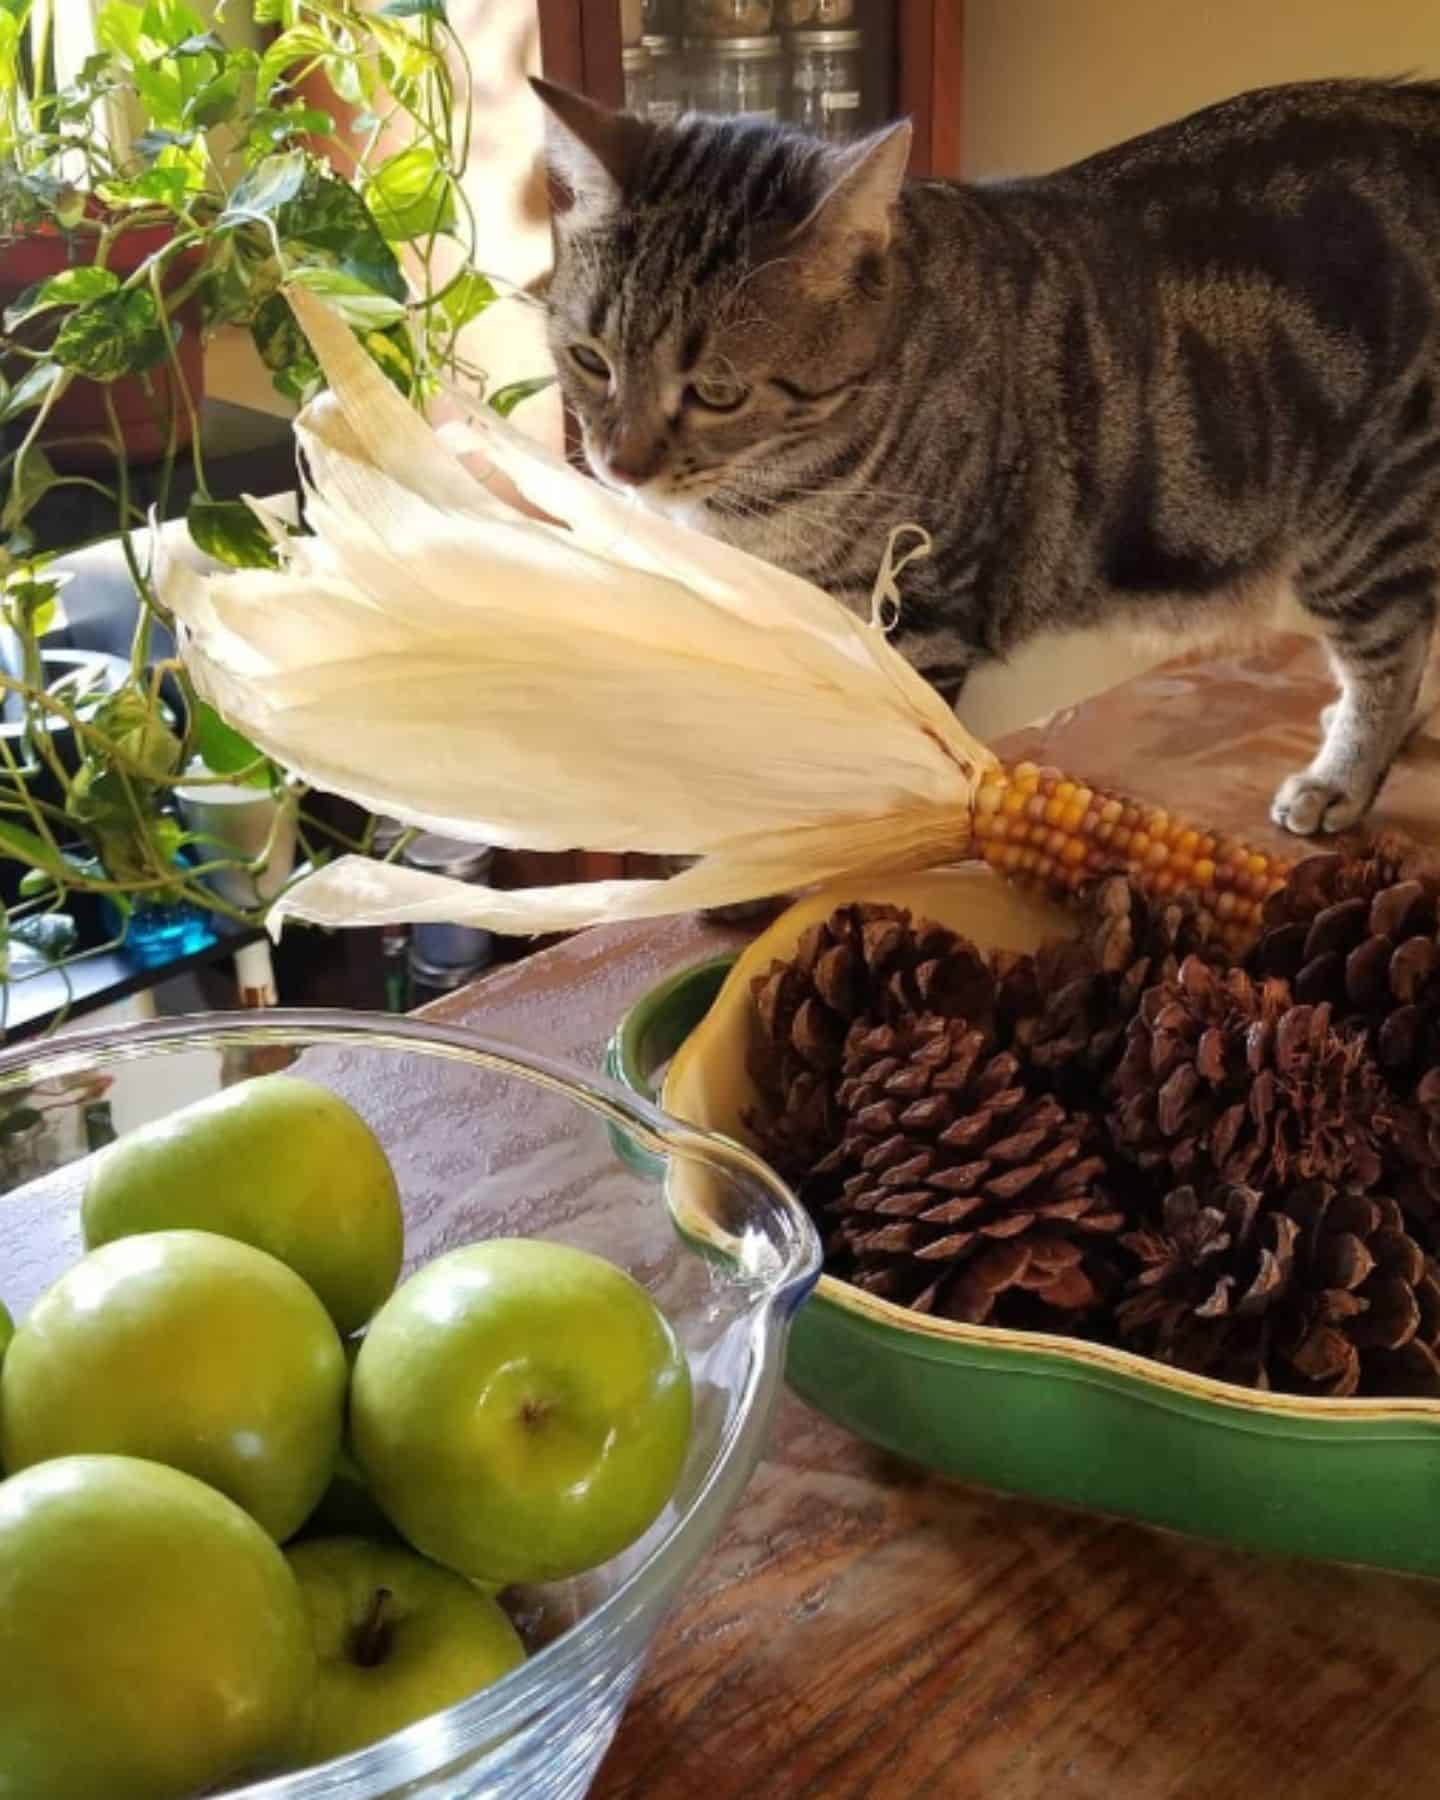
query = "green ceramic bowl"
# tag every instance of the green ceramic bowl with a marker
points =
(1354, 1481)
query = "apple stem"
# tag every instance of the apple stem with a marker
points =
(372, 1639)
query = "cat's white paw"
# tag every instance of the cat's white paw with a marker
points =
(1306, 804)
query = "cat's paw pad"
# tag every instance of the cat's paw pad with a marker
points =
(1306, 804)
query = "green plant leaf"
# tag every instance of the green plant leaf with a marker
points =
(275, 126)
(157, 186)
(274, 12)
(217, 101)
(172, 23)
(30, 390)
(327, 223)
(118, 26)
(71, 287)
(223, 750)
(201, 43)
(394, 354)
(25, 847)
(118, 334)
(277, 335)
(150, 143)
(355, 300)
(266, 188)
(504, 400)
(414, 9)
(30, 477)
(405, 57)
(353, 80)
(466, 297)
(51, 935)
(410, 195)
(300, 44)
(162, 93)
(230, 532)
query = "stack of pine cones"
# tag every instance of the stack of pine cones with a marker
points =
(1231, 1167)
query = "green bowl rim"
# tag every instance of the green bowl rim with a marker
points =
(921, 1336)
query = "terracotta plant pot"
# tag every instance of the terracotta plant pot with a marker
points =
(80, 413)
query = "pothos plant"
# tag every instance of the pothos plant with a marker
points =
(254, 184)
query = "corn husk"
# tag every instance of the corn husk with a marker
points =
(594, 678)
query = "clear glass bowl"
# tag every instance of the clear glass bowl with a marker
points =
(485, 1141)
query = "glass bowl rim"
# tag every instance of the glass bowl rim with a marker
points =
(486, 1716)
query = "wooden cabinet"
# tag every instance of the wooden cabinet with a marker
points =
(907, 52)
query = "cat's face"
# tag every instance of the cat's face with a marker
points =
(719, 293)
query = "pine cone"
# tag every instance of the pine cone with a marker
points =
(1323, 1292)
(959, 1192)
(870, 962)
(1224, 1078)
(1361, 933)
(1066, 1010)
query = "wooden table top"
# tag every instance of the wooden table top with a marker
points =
(865, 1629)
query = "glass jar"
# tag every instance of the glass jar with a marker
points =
(825, 82)
(639, 73)
(813, 15)
(734, 19)
(632, 22)
(661, 18)
(737, 76)
(669, 82)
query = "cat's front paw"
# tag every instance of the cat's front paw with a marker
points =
(1306, 804)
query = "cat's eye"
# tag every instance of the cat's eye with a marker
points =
(717, 393)
(591, 361)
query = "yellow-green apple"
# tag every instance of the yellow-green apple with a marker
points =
(278, 1162)
(396, 1639)
(520, 1409)
(190, 1349)
(153, 1643)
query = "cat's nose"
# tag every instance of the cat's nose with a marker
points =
(632, 465)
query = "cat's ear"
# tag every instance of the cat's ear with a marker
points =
(588, 151)
(855, 217)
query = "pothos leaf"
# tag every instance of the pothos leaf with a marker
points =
(30, 390)
(504, 400)
(30, 476)
(411, 195)
(118, 334)
(70, 287)
(26, 847)
(355, 300)
(230, 532)
(225, 751)
(466, 297)
(266, 188)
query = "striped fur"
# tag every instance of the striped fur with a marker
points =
(1153, 390)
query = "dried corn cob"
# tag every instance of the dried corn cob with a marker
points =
(1041, 828)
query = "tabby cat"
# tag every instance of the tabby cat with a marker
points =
(1159, 390)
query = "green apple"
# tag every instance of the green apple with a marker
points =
(278, 1162)
(7, 1329)
(193, 1350)
(396, 1639)
(153, 1643)
(520, 1409)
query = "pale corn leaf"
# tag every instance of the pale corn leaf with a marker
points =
(596, 678)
